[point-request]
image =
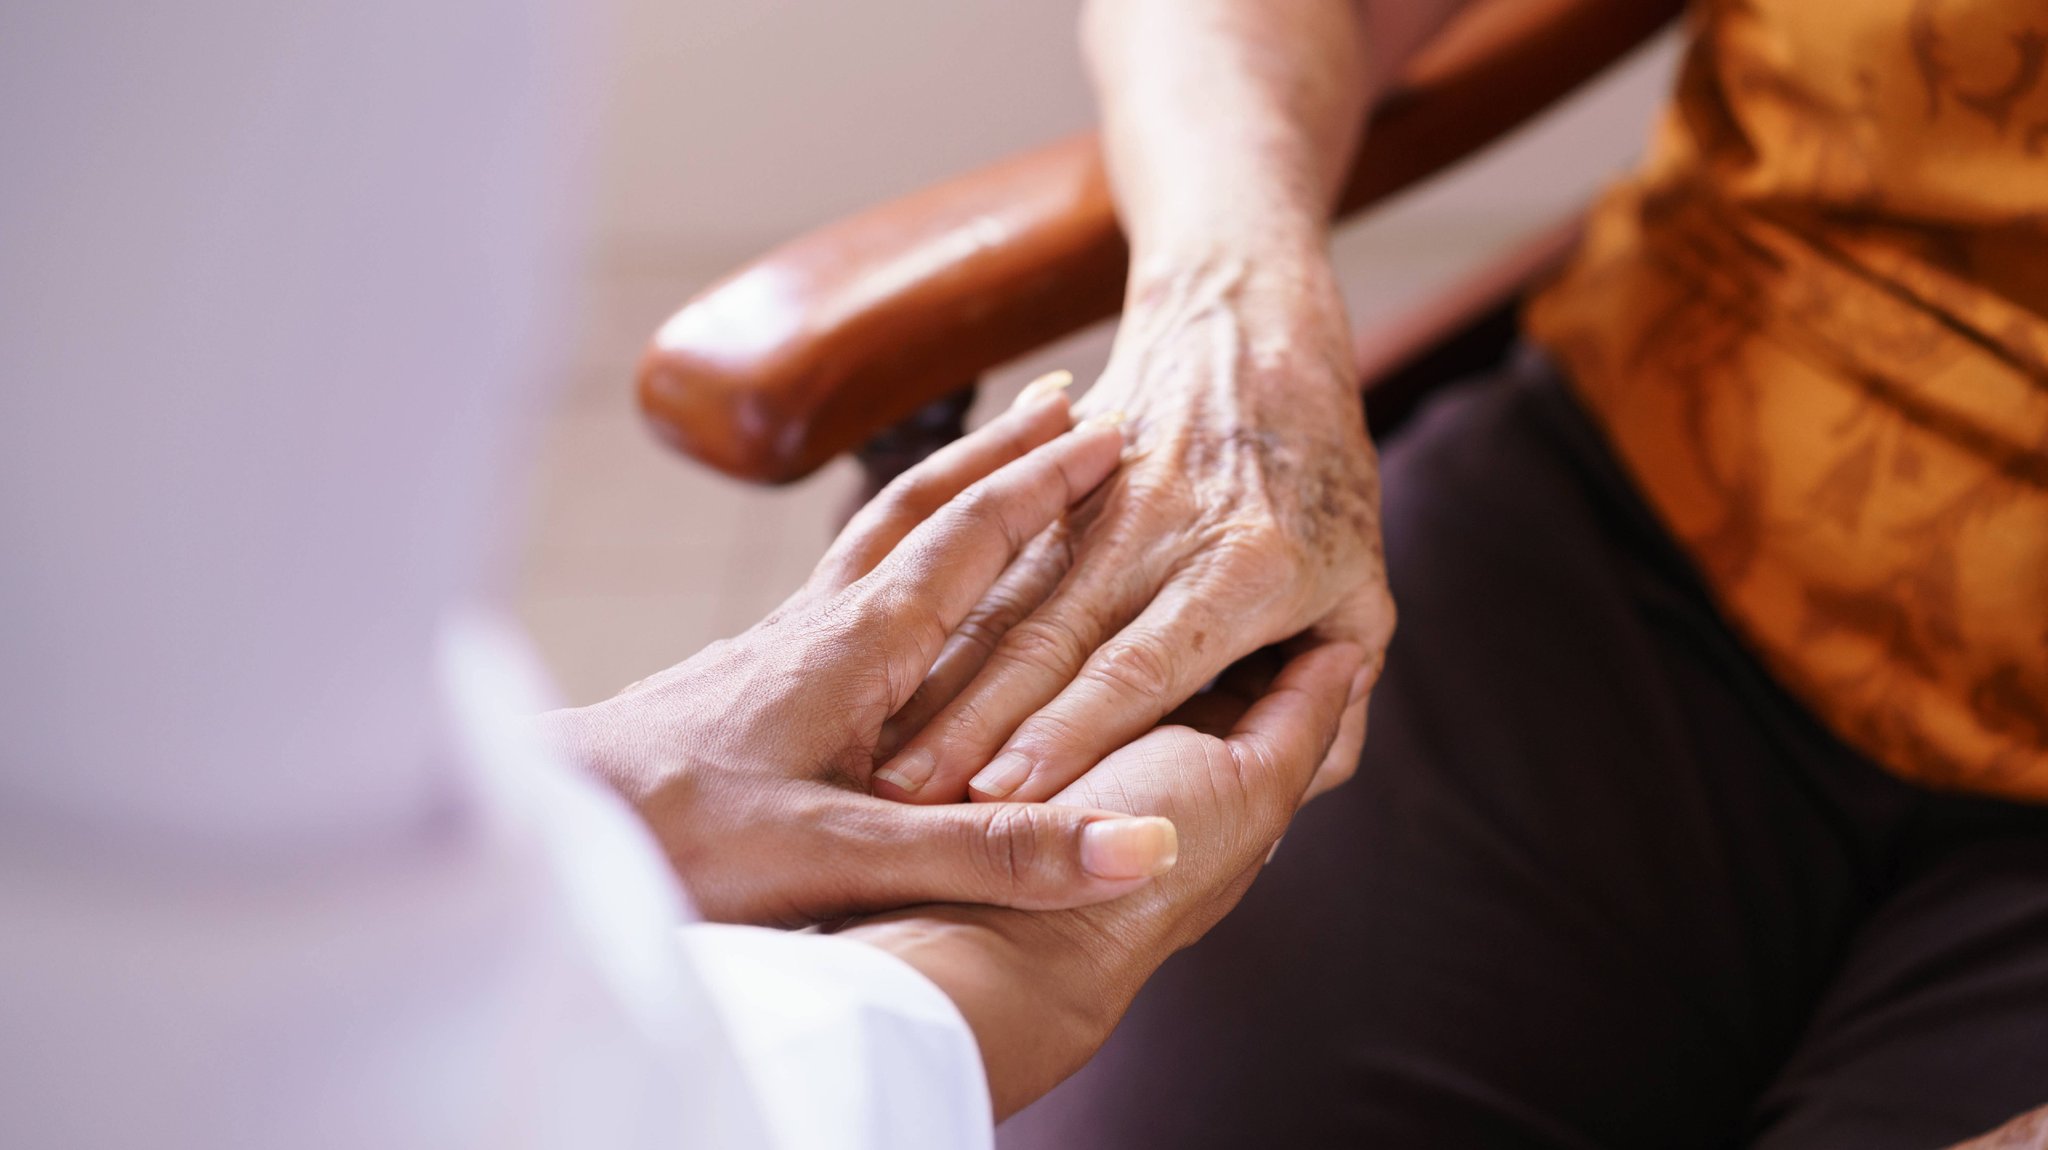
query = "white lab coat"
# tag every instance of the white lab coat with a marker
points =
(279, 866)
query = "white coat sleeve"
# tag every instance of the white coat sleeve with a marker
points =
(845, 1047)
(275, 867)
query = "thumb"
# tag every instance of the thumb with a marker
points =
(1290, 731)
(1029, 856)
(1342, 760)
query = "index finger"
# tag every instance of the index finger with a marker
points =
(1039, 415)
(924, 589)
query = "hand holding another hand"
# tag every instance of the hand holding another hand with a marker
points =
(1247, 513)
(752, 764)
(751, 760)
(1043, 990)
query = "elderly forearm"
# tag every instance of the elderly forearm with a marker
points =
(1230, 123)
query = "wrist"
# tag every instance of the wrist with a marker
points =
(573, 734)
(1278, 313)
(1280, 233)
(599, 740)
(1040, 991)
(1270, 256)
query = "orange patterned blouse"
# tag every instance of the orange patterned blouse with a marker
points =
(1815, 328)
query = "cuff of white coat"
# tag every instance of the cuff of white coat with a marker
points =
(847, 1047)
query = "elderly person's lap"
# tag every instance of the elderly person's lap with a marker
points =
(1599, 881)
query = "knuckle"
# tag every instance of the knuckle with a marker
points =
(1011, 849)
(1138, 665)
(919, 625)
(1042, 643)
(1256, 758)
(1046, 734)
(889, 622)
(869, 611)
(1062, 545)
(988, 505)
(1368, 615)
(1157, 495)
(832, 622)
(1257, 553)
(915, 494)
(971, 719)
(1102, 612)
(1385, 616)
(1131, 535)
(982, 631)
(1259, 776)
(1014, 439)
(978, 500)
(986, 625)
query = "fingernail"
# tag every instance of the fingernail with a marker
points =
(1103, 419)
(909, 771)
(1051, 383)
(1129, 848)
(1005, 774)
(1275, 849)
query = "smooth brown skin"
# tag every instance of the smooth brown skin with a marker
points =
(750, 761)
(1248, 511)
(819, 345)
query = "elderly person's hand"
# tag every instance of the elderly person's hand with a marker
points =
(1249, 509)
(1247, 513)
(1042, 991)
(751, 760)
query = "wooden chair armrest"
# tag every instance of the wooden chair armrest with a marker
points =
(827, 340)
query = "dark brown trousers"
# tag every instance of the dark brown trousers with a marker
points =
(1599, 882)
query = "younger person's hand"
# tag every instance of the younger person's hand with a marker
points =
(751, 760)
(1042, 991)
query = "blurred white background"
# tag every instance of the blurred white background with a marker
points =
(733, 127)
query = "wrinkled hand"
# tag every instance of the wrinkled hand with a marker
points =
(751, 760)
(1247, 513)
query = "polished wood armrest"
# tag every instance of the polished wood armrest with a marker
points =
(825, 341)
